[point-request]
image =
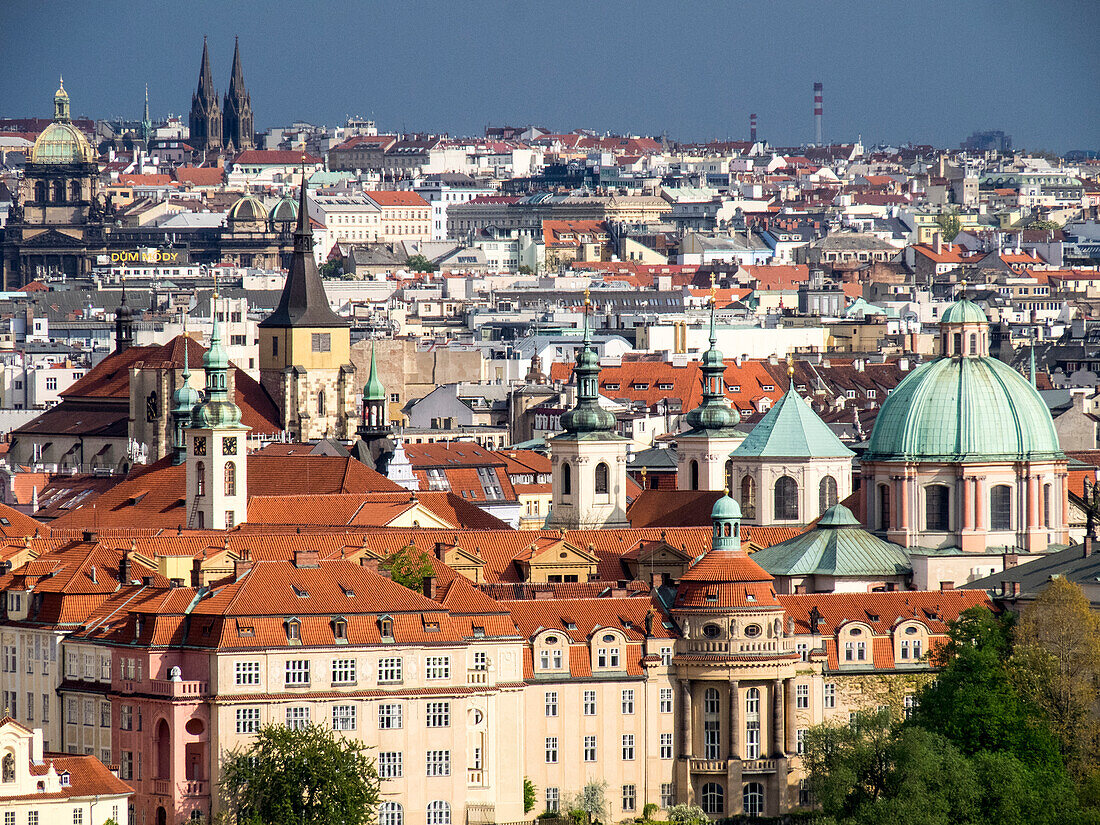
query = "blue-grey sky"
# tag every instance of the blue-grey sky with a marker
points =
(927, 72)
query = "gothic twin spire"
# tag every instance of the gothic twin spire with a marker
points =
(230, 125)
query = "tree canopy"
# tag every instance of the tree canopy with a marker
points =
(419, 263)
(303, 776)
(409, 567)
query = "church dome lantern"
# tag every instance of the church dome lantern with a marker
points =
(61, 142)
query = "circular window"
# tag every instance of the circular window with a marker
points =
(551, 640)
(609, 638)
(194, 727)
(752, 630)
(711, 631)
(856, 632)
(563, 555)
(910, 631)
(478, 717)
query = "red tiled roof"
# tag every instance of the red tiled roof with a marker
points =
(274, 157)
(200, 175)
(933, 608)
(391, 198)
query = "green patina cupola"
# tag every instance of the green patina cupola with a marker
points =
(218, 410)
(588, 419)
(373, 389)
(714, 416)
(725, 518)
(184, 401)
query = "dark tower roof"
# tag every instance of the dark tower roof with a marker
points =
(206, 79)
(236, 79)
(303, 302)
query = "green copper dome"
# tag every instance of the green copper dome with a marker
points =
(725, 508)
(61, 142)
(218, 410)
(285, 211)
(964, 311)
(963, 409)
(588, 420)
(714, 416)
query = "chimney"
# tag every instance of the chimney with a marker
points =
(947, 585)
(91, 572)
(36, 746)
(1088, 549)
(124, 567)
(937, 243)
(752, 127)
(1011, 560)
(306, 558)
(196, 573)
(241, 566)
(544, 594)
(427, 586)
(817, 112)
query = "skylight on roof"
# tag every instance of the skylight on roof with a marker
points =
(301, 594)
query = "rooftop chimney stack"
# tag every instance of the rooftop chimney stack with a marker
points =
(817, 113)
(752, 128)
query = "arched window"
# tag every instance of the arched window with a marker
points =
(321, 403)
(694, 468)
(826, 493)
(1000, 507)
(601, 479)
(230, 478)
(752, 724)
(748, 497)
(937, 508)
(40, 192)
(786, 499)
(1046, 505)
(566, 480)
(753, 799)
(713, 798)
(726, 529)
(59, 191)
(729, 477)
(439, 813)
(200, 479)
(884, 506)
(958, 344)
(973, 343)
(74, 190)
(712, 724)
(391, 813)
(7, 771)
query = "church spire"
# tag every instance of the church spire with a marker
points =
(714, 414)
(303, 302)
(146, 122)
(237, 107)
(124, 323)
(206, 79)
(588, 416)
(236, 78)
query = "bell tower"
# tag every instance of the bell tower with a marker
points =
(703, 462)
(589, 458)
(217, 454)
(206, 117)
(375, 446)
(237, 108)
(305, 349)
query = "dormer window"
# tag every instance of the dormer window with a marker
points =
(63, 778)
(299, 592)
(294, 631)
(340, 629)
(385, 628)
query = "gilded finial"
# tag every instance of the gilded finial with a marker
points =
(61, 82)
(713, 289)
(790, 367)
(587, 297)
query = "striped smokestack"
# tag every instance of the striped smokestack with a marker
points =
(752, 127)
(817, 113)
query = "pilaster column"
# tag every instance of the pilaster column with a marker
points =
(735, 720)
(979, 503)
(686, 744)
(791, 718)
(903, 504)
(968, 504)
(777, 718)
(1032, 501)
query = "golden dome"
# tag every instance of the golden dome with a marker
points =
(61, 142)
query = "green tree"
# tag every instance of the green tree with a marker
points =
(304, 776)
(589, 803)
(409, 567)
(687, 815)
(1056, 665)
(331, 269)
(1044, 225)
(529, 795)
(418, 263)
(949, 224)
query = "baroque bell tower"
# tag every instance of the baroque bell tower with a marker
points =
(206, 117)
(237, 108)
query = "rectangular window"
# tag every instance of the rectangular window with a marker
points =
(861, 651)
(390, 765)
(752, 739)
(297, 672)
(322, 342)
(126, 765)
(248, 720)
(45, 707)
(438, 667)
(849, 652)
(628, 746)
(439, 763)
(590, 749)
(552, 750)
(297, 718)
(389, 717)
(830, 695)
(668, 795)
(628, 701)
(553, 800)
(78, 816)
(551, 703)
(910, 705)
(247, 673)
(343, 671)
(481, 659)
(126, 717)
(803, 650)
(89, 711)
(800, 739)
(105, 669)
(590, 703)
(665, 701)
(104, 714)
(343, 717)
(802, 696)
(630, 797)
(666, 745)
(389, 670)
(438, 714)
(712, 739)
